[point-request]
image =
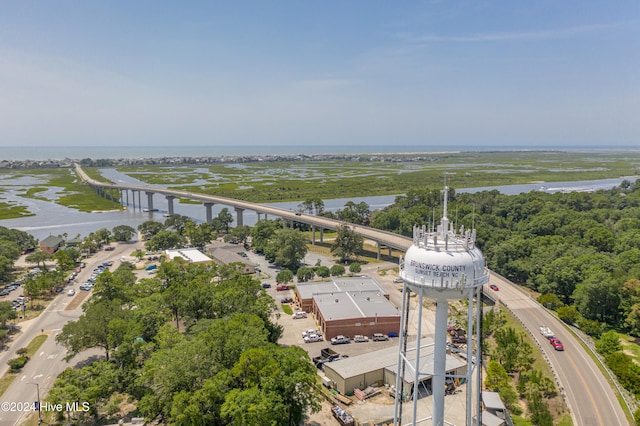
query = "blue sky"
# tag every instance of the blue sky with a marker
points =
(433, 73)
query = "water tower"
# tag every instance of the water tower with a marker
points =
(442, 265)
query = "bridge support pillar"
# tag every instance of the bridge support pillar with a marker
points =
(170, 199)
(208, 207)
(239, 212)
(258, 213)
(390, 253)
(313, 235)
(321, 235)
(149, 200)
(378, 250)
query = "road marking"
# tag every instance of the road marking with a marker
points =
(37, 376)
(53, 356)
(22, 378)
(41, 353)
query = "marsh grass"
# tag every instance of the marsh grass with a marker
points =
(365, 175)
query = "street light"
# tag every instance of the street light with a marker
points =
(39, 408)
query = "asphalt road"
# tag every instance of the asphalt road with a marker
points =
(589, 395)
(43, 368)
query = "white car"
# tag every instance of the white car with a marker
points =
(71, 292)
(312, 338)
(358, 338)
(311, 331)
(299, 315)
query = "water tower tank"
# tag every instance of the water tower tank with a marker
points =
(443, 264)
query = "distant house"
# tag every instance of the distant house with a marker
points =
(74, 242)
(51, 244)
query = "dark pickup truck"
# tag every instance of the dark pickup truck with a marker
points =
(326, 355)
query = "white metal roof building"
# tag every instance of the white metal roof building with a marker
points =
(380, 367)
(190, 255)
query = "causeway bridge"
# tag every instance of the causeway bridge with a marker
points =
(383, 239)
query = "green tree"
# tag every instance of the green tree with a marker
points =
(164, 240)
(305, 274)
(103, 236)
(178, 223)
(66, 258)
(337, 270)
(347, 243)
(608, 343)
(199, 234)
(7, 313)
(225, 218)
(284, 276)
(598, 297)
(123, 233)
(355, 268)
(287, 248)
(323, 271)
(569, 314)
(150, 228)
(261, 233)
(91, 330)
(38, 258)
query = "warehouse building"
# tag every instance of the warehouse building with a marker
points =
(379, 368)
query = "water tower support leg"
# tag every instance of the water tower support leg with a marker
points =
(440, 361)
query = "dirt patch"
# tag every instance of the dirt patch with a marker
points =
(77, 300)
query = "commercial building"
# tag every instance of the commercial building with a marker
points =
(381, 367)
(349, 306)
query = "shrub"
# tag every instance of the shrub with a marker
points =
(17, 363)
(569, 314)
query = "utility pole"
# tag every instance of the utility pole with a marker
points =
(39, 407)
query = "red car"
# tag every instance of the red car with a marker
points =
(282, 287)
(557, 344)
(494, 287)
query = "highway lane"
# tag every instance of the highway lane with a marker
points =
(48, 362)
(589, 395)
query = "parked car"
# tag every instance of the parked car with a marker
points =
(311, 331)
(71, 292)
(312, 338)
(494, 287)
(359, 338)
(282, 287)
(397, 280)
(379, 337)
(266, 285)
(286, 300)
(299, 315)
(339, 340)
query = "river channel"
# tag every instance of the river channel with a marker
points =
(53, 219)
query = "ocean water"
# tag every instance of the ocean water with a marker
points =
(133, 151)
